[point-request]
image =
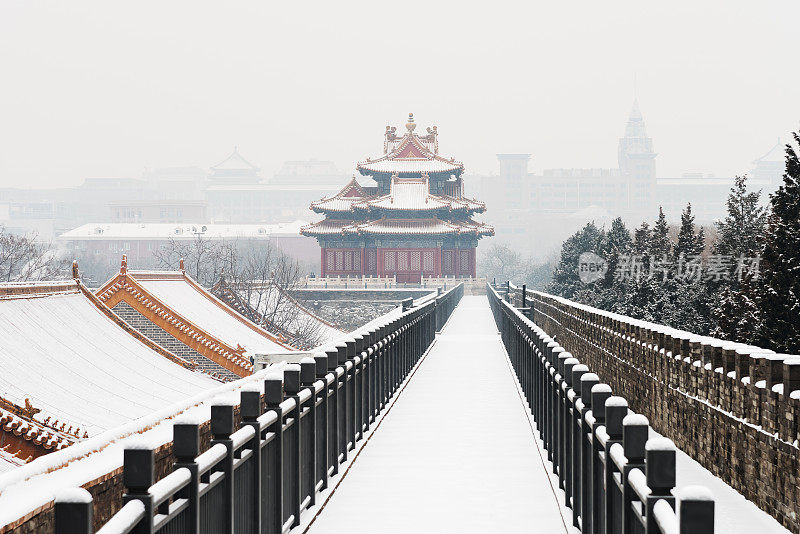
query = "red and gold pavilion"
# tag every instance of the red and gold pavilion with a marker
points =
(415, 222)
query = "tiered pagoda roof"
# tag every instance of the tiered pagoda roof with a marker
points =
(388, 214)
(410, 154)
(413, 194)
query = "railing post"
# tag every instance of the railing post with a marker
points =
(696, 511)
(332, 355)
(660, 472)
(588, 381)
(321, 369)
(616, 410)
(308, 375)
(186, 447)
(291, 387)
(600, 394)
(273, 395)
(577, 442)
(222, 427)
(250, 399)
(343, 415)
(566, 431)
(138, 466)
(635, 429)
(73, 511)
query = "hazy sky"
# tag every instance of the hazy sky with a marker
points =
(107, 89)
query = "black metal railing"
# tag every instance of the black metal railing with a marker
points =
(293, 437)
(615, 478)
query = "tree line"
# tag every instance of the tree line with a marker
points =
(742, 283)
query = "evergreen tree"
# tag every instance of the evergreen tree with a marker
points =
(736, 314)
(742, 230)
(566, 281)
(689, 243)
(660, 244)
(780, 300)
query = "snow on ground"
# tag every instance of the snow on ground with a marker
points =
(434, 465)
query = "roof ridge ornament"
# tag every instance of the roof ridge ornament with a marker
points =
(410, 125)
(123, 268)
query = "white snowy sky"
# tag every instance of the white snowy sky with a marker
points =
(107, 89)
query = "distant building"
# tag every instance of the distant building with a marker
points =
(104, 242)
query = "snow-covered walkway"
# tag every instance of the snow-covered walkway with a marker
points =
(456, 452)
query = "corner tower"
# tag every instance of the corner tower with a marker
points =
(415, 223)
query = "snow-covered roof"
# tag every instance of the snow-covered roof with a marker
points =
(432, 226)
(234, 162)
(211, 314)
(326, 227)
(776, 154)
(180, 231)
(413, 194)
(411, 154)
(268, 304)
(74, 368)
(341, 201)
(191, 314)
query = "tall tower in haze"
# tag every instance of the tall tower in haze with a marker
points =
(637, 161)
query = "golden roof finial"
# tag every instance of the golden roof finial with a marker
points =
(410, 124)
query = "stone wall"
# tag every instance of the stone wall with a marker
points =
(722, 406)
(158, 335)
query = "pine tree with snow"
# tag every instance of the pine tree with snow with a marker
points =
(660, 244)
(566, 281)
(736, 314)
(742, 230)
(780, 268)
(690, 242)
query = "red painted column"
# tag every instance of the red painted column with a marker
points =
(363, 260)
(473, 260)
(438, 262)
(379, 253)
(322, 262)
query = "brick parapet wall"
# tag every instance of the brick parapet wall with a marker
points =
(743, 433)
(160, 336)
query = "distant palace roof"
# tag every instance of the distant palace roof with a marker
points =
(178, 231)
(173, 301)
(234, 162)
(72, 369)
(410, 154)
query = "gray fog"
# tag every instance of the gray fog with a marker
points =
(106, 89)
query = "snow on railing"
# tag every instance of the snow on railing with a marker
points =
(361, 375)
(600, 450)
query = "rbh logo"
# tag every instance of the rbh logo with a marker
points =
(591, 267)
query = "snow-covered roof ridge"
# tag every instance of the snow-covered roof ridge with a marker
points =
(175, 302)
(410, 153)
